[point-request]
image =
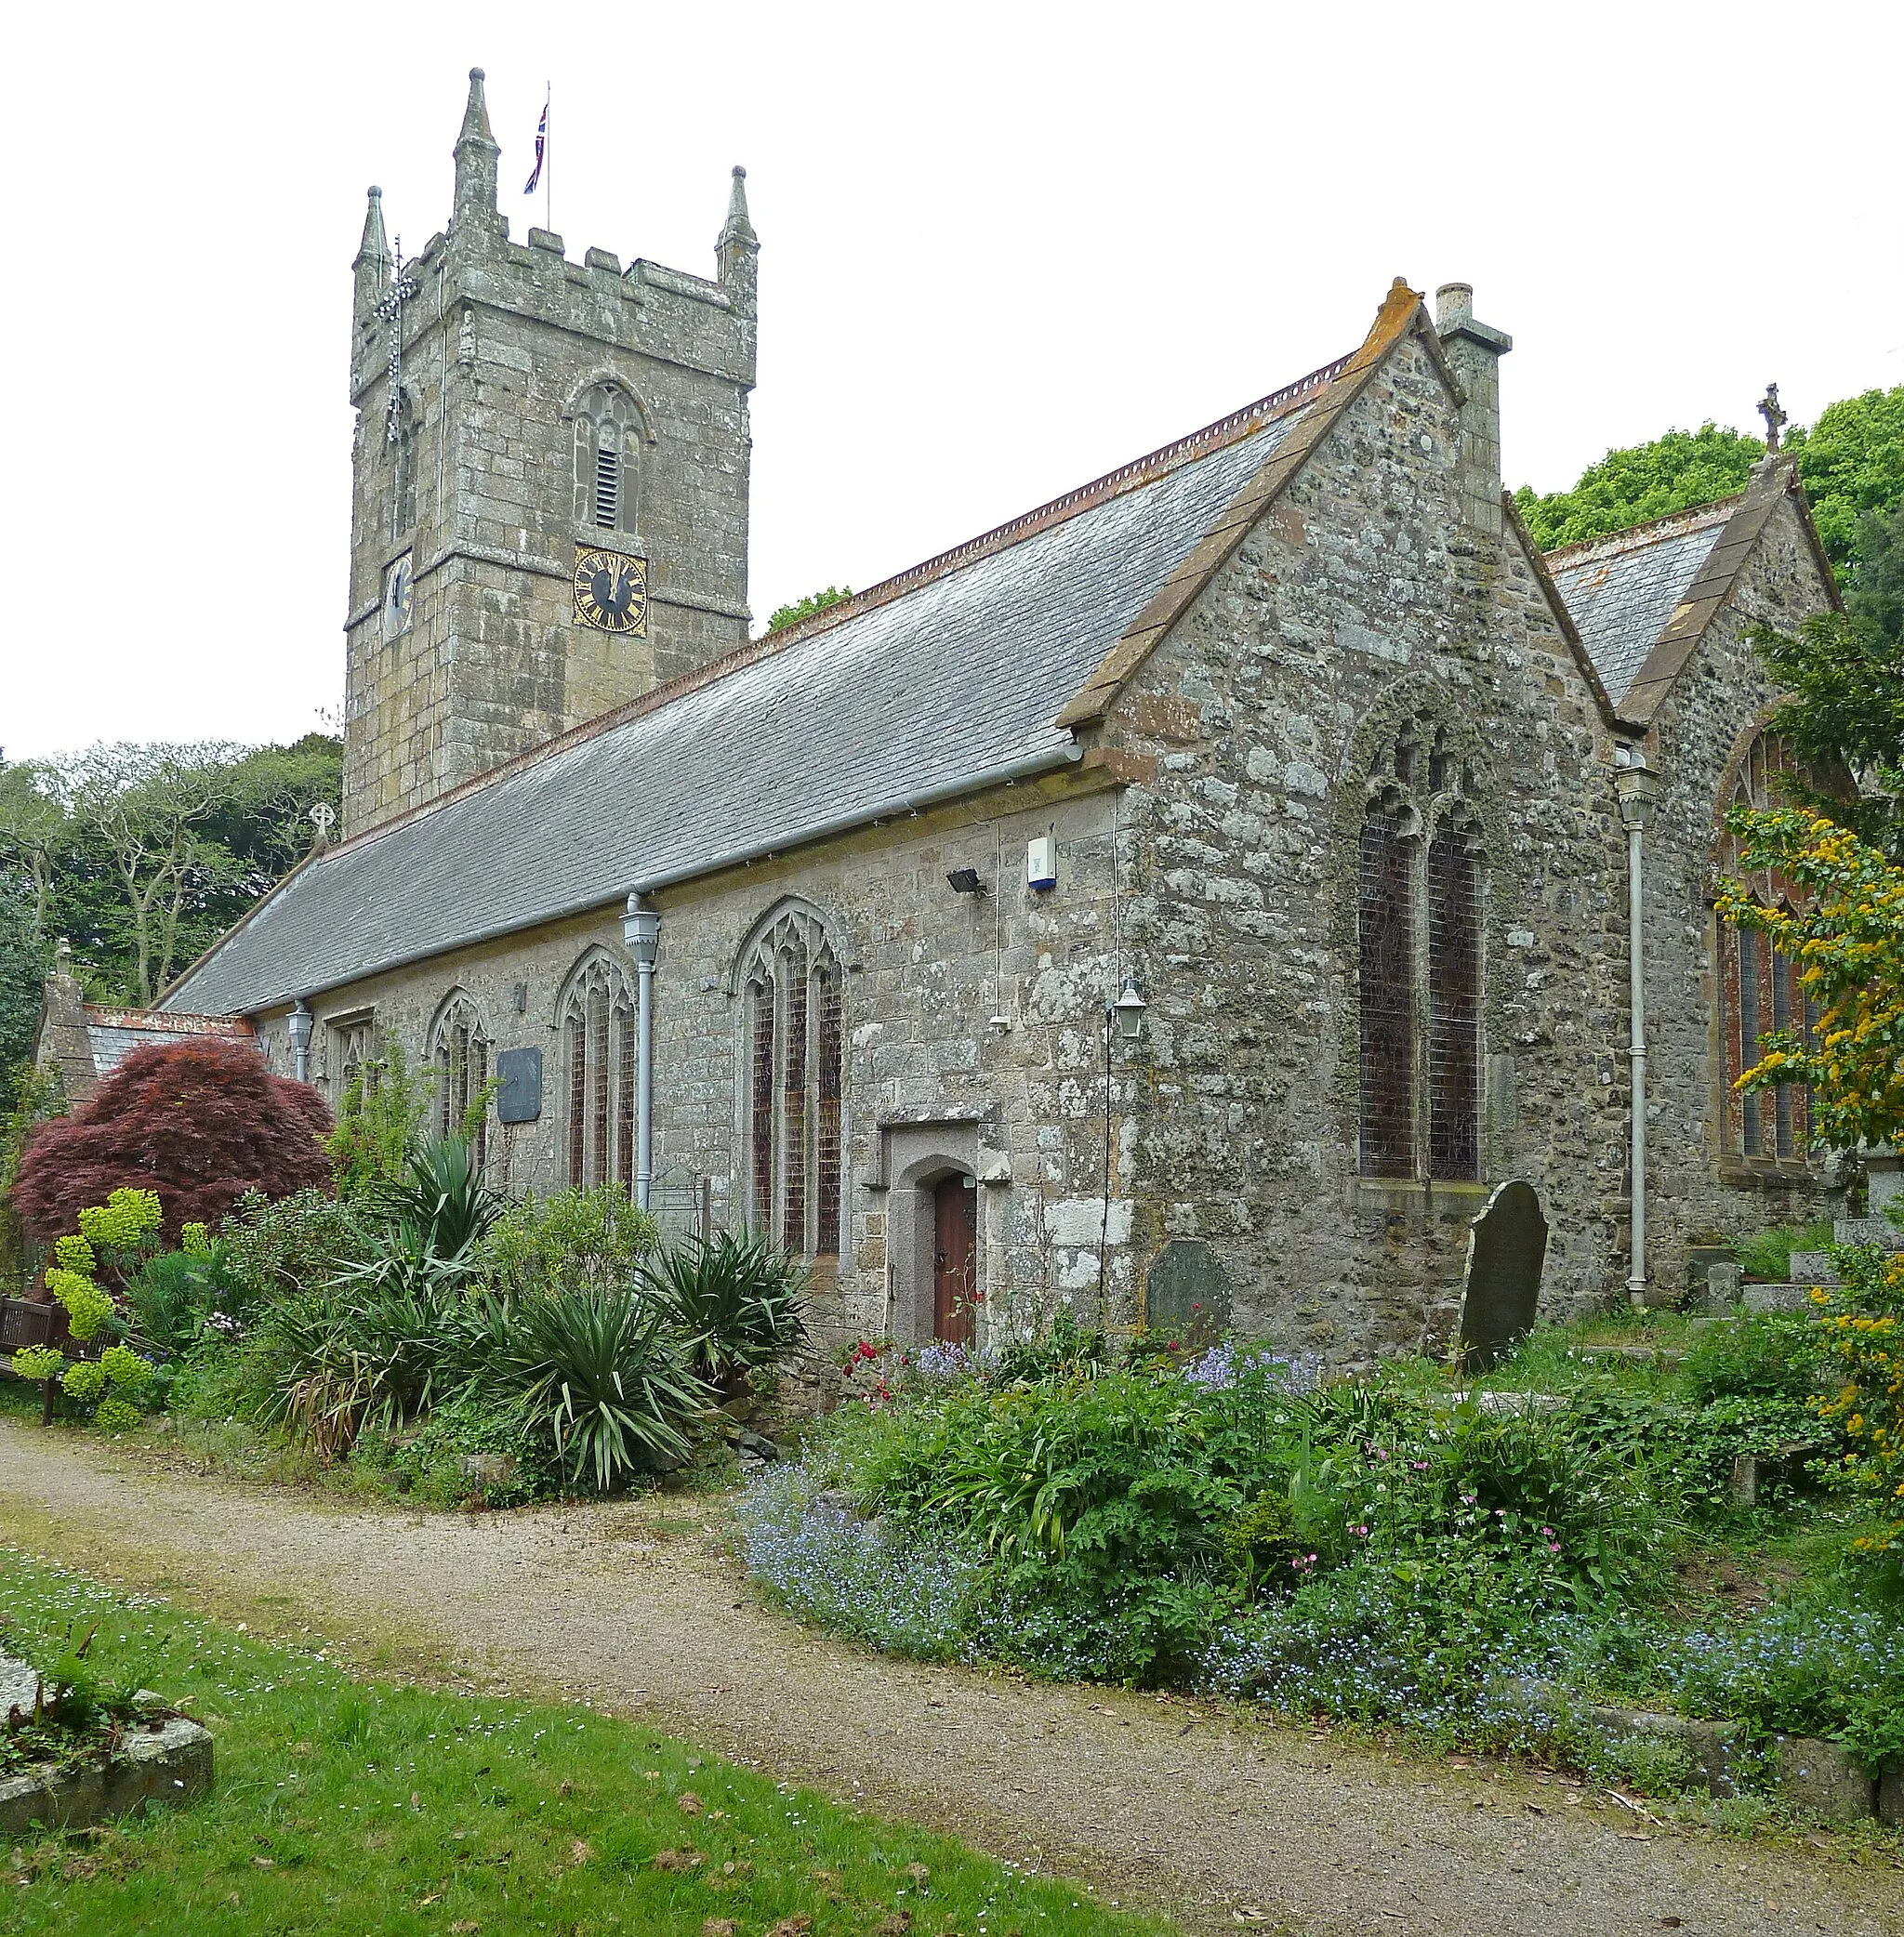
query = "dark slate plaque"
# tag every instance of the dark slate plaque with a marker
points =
(1188, 1293)
(1507, 1248)
(519, 1086)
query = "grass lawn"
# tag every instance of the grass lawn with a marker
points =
(357, 1807)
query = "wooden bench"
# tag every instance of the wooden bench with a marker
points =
(25, 1323)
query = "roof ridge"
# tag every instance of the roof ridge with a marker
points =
(1651, 529)
(1125, 476)
(1129, 475)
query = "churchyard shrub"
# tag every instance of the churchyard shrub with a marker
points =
(568, 1241)
(379, 1116)
(1376, 1548)
(602, 1374)
(199, 1122)
(1771, 1355)
(1767, 1254)
(1862, 1329)
(735, 1301)
(437, 1207)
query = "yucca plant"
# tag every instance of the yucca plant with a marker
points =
(440, 1205)
(601, 1369)
(735, 1302)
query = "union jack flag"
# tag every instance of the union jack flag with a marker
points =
(541, 142)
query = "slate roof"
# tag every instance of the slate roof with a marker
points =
(1622, 591)
(114, 1033)
(939, 678)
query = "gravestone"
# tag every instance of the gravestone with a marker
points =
(1721, 1283)
(1187, 1293)
(1507, 1248)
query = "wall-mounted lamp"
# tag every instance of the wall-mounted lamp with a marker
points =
(965, 880)
(1129, 1010)
(299, 1027)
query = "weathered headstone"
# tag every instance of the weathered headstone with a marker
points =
(1721, 1285)
(1187, 1293)
(1507, 1248)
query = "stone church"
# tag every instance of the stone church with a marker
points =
(1200, 891)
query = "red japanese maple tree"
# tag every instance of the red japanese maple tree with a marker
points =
(199, 1122)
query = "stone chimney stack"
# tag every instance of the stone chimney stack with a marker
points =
(1475, 351)
(474, 213)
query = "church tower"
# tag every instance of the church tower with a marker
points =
(550, 502)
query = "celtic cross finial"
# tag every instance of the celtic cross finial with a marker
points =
(323, 817)
(1775, 418)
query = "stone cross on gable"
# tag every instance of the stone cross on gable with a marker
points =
(1776, 419)
(390, 309)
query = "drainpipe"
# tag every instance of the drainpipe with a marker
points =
(641, 929)
(1638, 787)
(299, 1027)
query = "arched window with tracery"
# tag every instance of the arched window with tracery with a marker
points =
(1759, 989)
(608, 469)
(460, 1052)
(1421, 923)
(792, 1038)
(598, 1076)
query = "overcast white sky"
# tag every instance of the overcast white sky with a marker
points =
(1004, 249)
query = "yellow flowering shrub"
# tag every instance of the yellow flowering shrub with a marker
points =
(1846, 942)
(116, 1415)
(38, 1362)
(195, 1240)
(87, 1308)
(120, 1222)
(74, 1254)
(125, 1367)
(85, 1380)
(1862, 1324)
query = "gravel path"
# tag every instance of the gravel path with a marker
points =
(634, 1607)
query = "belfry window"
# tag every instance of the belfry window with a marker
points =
(792, 1038)
(608, 440)
(1419, 925)
(598, 1052)
(401, 446)
(1759, 991)
(460, 1055)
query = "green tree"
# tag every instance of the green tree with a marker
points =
(1851, 463)
(34, 827)
(1625, 487)
(23, 976)
(784, 616)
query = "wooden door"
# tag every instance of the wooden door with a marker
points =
(955, 1259)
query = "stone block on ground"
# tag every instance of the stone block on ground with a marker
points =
(1709, 1743)
(1775, 1298)
(1891, 1795)
(1868, 1231)
(170, 1763)
(1822, 1779)
(1809, 1267)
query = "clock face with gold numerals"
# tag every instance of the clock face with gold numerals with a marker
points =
(612, 591)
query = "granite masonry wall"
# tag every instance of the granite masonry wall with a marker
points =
(1701, 1189)
(931, 1083)
(477, 497)
(1361, 612)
